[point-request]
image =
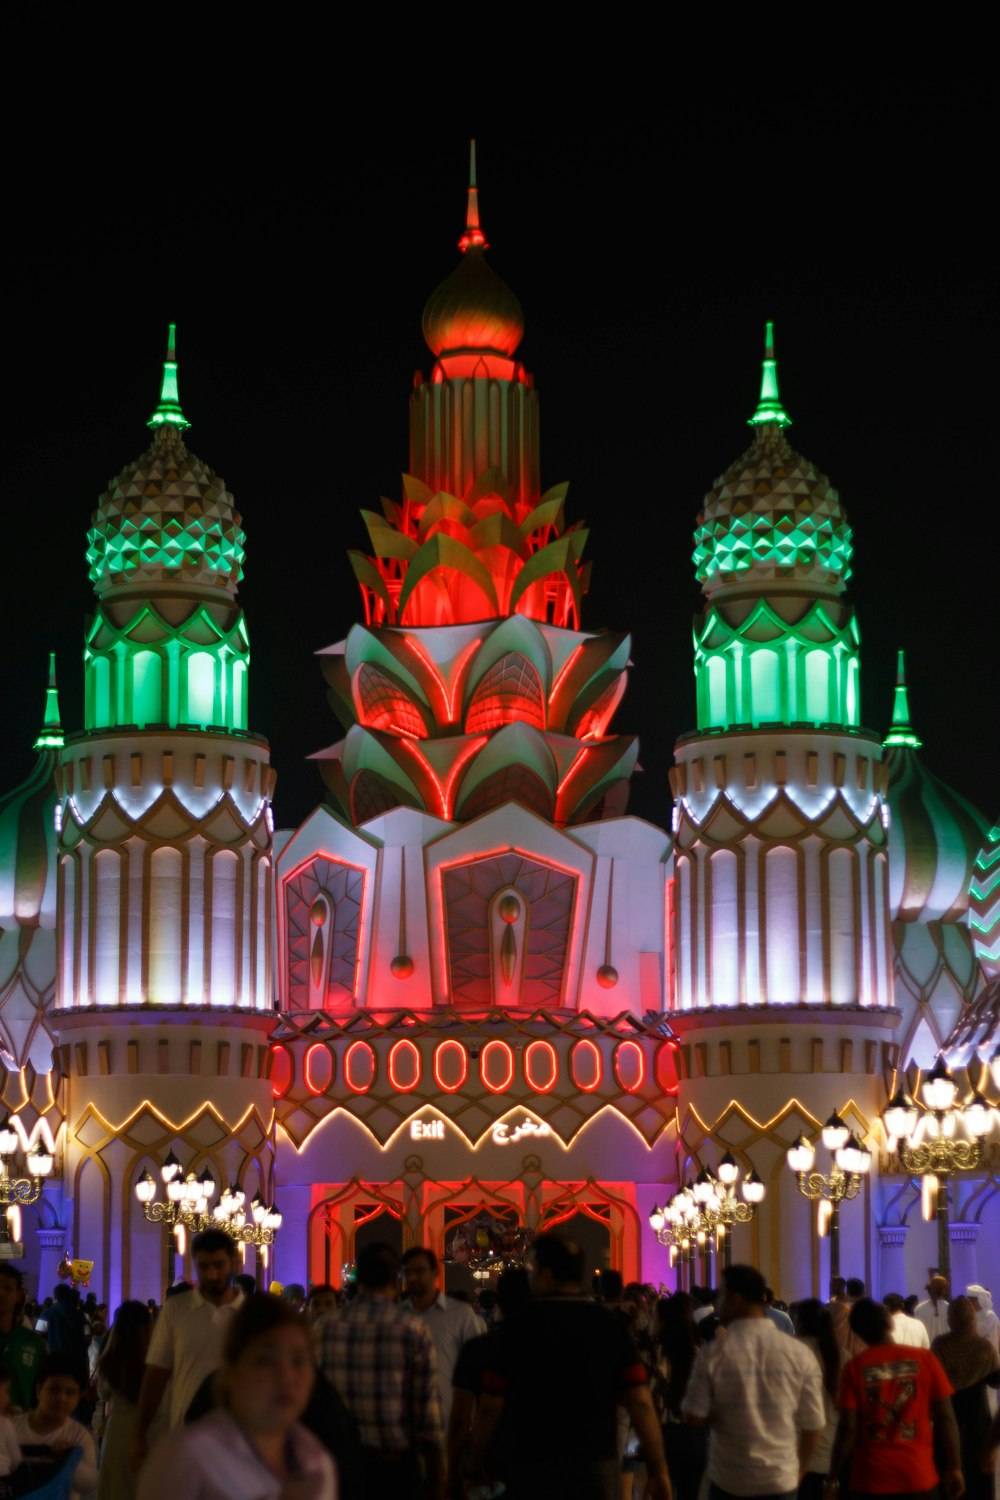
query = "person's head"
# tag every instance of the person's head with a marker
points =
(909, 1303)
(870, 1321)
(557, 1265)
(420, 1272)
(855, 1288)
(744, 1294)
(838, 1288)
(893, 1301)
(124, 1355)
(704, 1296)
(937, 1288)
(513, 1291)
(295, 1293)
(979, 1297)
(377, 1269)
(609, 1285)
(487, 1300)
(11, 1287)
(214, 1254)
(961, 1315)
(267, 1371)
(246, 1283)
(322, 1300)
(58, 1387)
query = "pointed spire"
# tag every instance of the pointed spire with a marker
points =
(473, 236)
(901, 732)
(169, 409)
(769, 407)
(50, 736)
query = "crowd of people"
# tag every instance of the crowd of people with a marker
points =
(543, 1387)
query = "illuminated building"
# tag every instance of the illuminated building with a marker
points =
(497, 993)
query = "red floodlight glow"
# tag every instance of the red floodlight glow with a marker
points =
(630, 1066)
(581, 1049)
(404, 1060)
(357, 1055)
(442, 1052)
(546, 1050)
(492, 1049)
(318, 1069)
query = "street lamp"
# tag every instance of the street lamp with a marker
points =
(923, 1133)
(17, 1192)
(851, 1162)
(705, 1210)
(187, 1201)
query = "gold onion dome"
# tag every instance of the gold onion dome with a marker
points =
(772, 515)
(167, 517)
(473, 310)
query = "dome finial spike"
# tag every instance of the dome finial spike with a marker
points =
(769, 407)
(168, 412)
(50, 736)
(901, 732)
(473, 236)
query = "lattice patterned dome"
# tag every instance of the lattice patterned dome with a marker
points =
(167, 518)
(772, 514)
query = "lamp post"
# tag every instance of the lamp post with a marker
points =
(925, 1137)
(188, 1199)
(851, 1162)
(704, 1211)
(18, 1191)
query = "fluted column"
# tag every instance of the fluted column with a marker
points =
(891, 1260)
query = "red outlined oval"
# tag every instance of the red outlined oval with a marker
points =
(586, 1065)
(282, 1070)
(359, 1067)
(541, 1067)
(451, 1065)
(317, 1070)
(630, 1066)
(665, 1068)
(405, 1066)
(496, 1066)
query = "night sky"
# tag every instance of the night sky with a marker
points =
(647, 257)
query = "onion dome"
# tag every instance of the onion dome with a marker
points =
(473, 310)
(27, 829)
(772, 516)
(167, 519)
(935, 835)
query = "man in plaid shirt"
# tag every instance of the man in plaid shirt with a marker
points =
(381, 1360)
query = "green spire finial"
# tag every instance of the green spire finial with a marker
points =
(769, 407)
(50, 736)
(169, 409)
(901, 732)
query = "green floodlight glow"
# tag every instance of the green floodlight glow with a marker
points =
(769, 407)
(902, 732)
(772, 539)
(50, 736)
(169, 408)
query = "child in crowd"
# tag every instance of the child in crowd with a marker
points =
(10, 1452)
(51, 1426)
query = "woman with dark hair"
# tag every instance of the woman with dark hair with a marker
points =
(814, 1327)
(675, 1344)
(253, 1443)
(119, 1376)
(971, 1364)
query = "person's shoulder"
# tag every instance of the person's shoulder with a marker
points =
(22, 1338)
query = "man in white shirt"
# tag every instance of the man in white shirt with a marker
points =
(188, 1335)
(905, 1330)
(759, 1393)
(451, 1323)
(933, 1313)
(987, 1322)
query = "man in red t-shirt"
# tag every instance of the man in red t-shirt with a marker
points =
(894, 1400)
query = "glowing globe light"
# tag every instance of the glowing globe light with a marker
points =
(800, 1155)
(939, 1088)
(853, 1158)
(834, 1133)
(901, 1116)
(753, 1188)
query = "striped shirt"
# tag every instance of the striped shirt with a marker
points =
(381, 1360)
(760, 1389)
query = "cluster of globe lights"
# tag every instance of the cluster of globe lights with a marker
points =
(188, 1199)
(925, 1131)
(851, 1161)
(17, 1190)
(707, 1206)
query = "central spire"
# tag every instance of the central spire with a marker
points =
(168, 412)
(50, 736)
(473, 236)
(769, 407)
(902, 732)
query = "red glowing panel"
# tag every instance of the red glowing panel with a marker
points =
(318, 1070)
(282, 1070)
(630, 1066)
(405, 1066)
(541, 1066)
(669, 926)
(451, 1066)
(359, 1067)
(585, 1065)
(496, 1066)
